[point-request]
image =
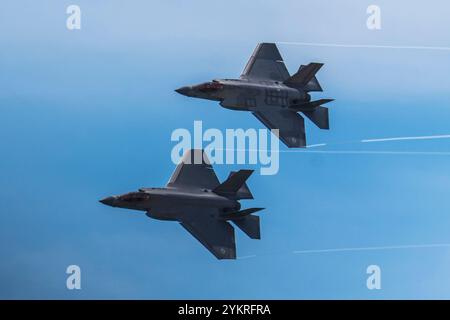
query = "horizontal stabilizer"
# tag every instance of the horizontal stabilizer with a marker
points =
(249, 225)
(305, 78)
(309, 105)
(236, 215)
(319, 116)
(235, 185)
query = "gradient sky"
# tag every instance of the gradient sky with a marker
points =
(89, 113)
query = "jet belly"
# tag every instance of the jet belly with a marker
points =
(198, 198)
(170, 204)
(241, 97)
(250, 96)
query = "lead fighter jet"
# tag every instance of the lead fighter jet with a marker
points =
(266, 89)
(203, 206)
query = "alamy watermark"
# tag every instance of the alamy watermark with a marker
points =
(374, 280)
(73, 21)
(373, 22)
(73, 281)
(237, 146)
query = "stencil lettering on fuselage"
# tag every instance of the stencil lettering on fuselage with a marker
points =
(276, 97)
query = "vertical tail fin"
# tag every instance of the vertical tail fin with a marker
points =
(305, 78)
(235, 185)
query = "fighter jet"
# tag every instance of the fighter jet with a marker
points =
(266, 89)
(203, 206)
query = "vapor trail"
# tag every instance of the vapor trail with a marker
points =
(410, 153)
(370, 46)
(361, 152)
(446, 136)
(412, 246)
(316, 145)
(355, 249)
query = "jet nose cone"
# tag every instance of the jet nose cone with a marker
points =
(109, 201)
(183, 90)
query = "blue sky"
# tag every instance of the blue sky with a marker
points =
(89, 113)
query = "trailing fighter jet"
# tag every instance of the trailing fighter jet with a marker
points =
(203, 206)
(266, 89)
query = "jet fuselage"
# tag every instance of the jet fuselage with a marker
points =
(168, 203)
(246, 95)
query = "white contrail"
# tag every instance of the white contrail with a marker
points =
(359, 152)
(362, 152)
(370, 46)
(409, 153)
(247, 257)
(445, 136)
(412, 246)
(316, 145)
(354, 249)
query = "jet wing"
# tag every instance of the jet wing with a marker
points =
(194, 170)
(216, 235)
(266, 63)
(290, 124)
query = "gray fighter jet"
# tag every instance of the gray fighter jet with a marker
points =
(266, 89)
(203, 206)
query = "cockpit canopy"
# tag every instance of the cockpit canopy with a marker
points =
(210, 86)
(134, 197)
